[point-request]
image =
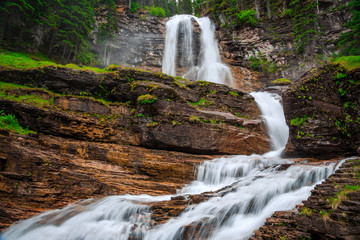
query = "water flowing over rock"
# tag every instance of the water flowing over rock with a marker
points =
(208, 65)
(244, 190)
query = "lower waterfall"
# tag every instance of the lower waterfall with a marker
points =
(245, 190)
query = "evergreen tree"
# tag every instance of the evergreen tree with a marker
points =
(350, 41)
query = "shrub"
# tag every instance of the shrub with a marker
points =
(246, 17)
(156, 11)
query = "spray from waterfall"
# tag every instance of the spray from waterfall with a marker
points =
(205, 66)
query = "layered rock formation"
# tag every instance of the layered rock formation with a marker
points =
(274, 39)
(331, 212)
(323, 113)
(103, 134)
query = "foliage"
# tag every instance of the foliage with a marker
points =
(156, 11)
(146, 99)
(304, 18)
(298, 121)
(260, 63)
(202, 102)
(9, 122)
(246, 17)
(349, 62)
(349, 42)
(134, 7)
(59, 27)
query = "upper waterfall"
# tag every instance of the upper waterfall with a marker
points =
(205, 66)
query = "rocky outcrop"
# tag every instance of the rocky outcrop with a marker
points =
(139, 41)
(331, 212)
(41, 172)
(140, 108)
(274, 39)
(323, 114)
(100, 134)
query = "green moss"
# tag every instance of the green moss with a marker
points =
(14, 60)
(9, 122)
(152, 124)
(349, 62)
(298, 121)
(202, 102)
(306, 211)
(235, 94)
(146, 99)
(194, 119)
(283, 81)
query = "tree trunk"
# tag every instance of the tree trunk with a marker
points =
(129, 4)
(63, 56)
(257, 8)
(268, 7)
(241, 3)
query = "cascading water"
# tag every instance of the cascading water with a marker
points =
(246, 190)
(209, 65)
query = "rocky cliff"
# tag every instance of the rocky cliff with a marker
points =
(140, 43)
(323, 114)
(101, 134)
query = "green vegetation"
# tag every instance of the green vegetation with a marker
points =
(15, 60)
(349, 62)
(298, 120)
(260, 63)
(342, 195)
(202, 102)
(283, 81)
(349, 41)
(9, 122)
(156, 11)
(194, 119)
(246, 17)
(235, 94)
(306, 211)
(304, 17)
(146, 99)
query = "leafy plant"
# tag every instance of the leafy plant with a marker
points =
(146, 99)
(246, 17)
(9, 122)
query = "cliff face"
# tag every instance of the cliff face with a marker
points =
(140, 43)
(275, 40)
(323, 114)
(103, 134)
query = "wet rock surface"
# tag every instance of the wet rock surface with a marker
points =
(322, 111)
(42, 172)
(331, 212)
(141, 108)
(95, 137)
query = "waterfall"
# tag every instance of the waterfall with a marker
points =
(209, 67)
(245, 191)
(272, 112)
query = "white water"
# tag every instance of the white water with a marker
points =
(248, 190)
(209, 67)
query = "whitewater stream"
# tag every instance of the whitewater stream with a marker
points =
(249, 189)
(245, 189)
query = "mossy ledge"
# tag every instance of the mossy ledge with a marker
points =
(131, 106)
